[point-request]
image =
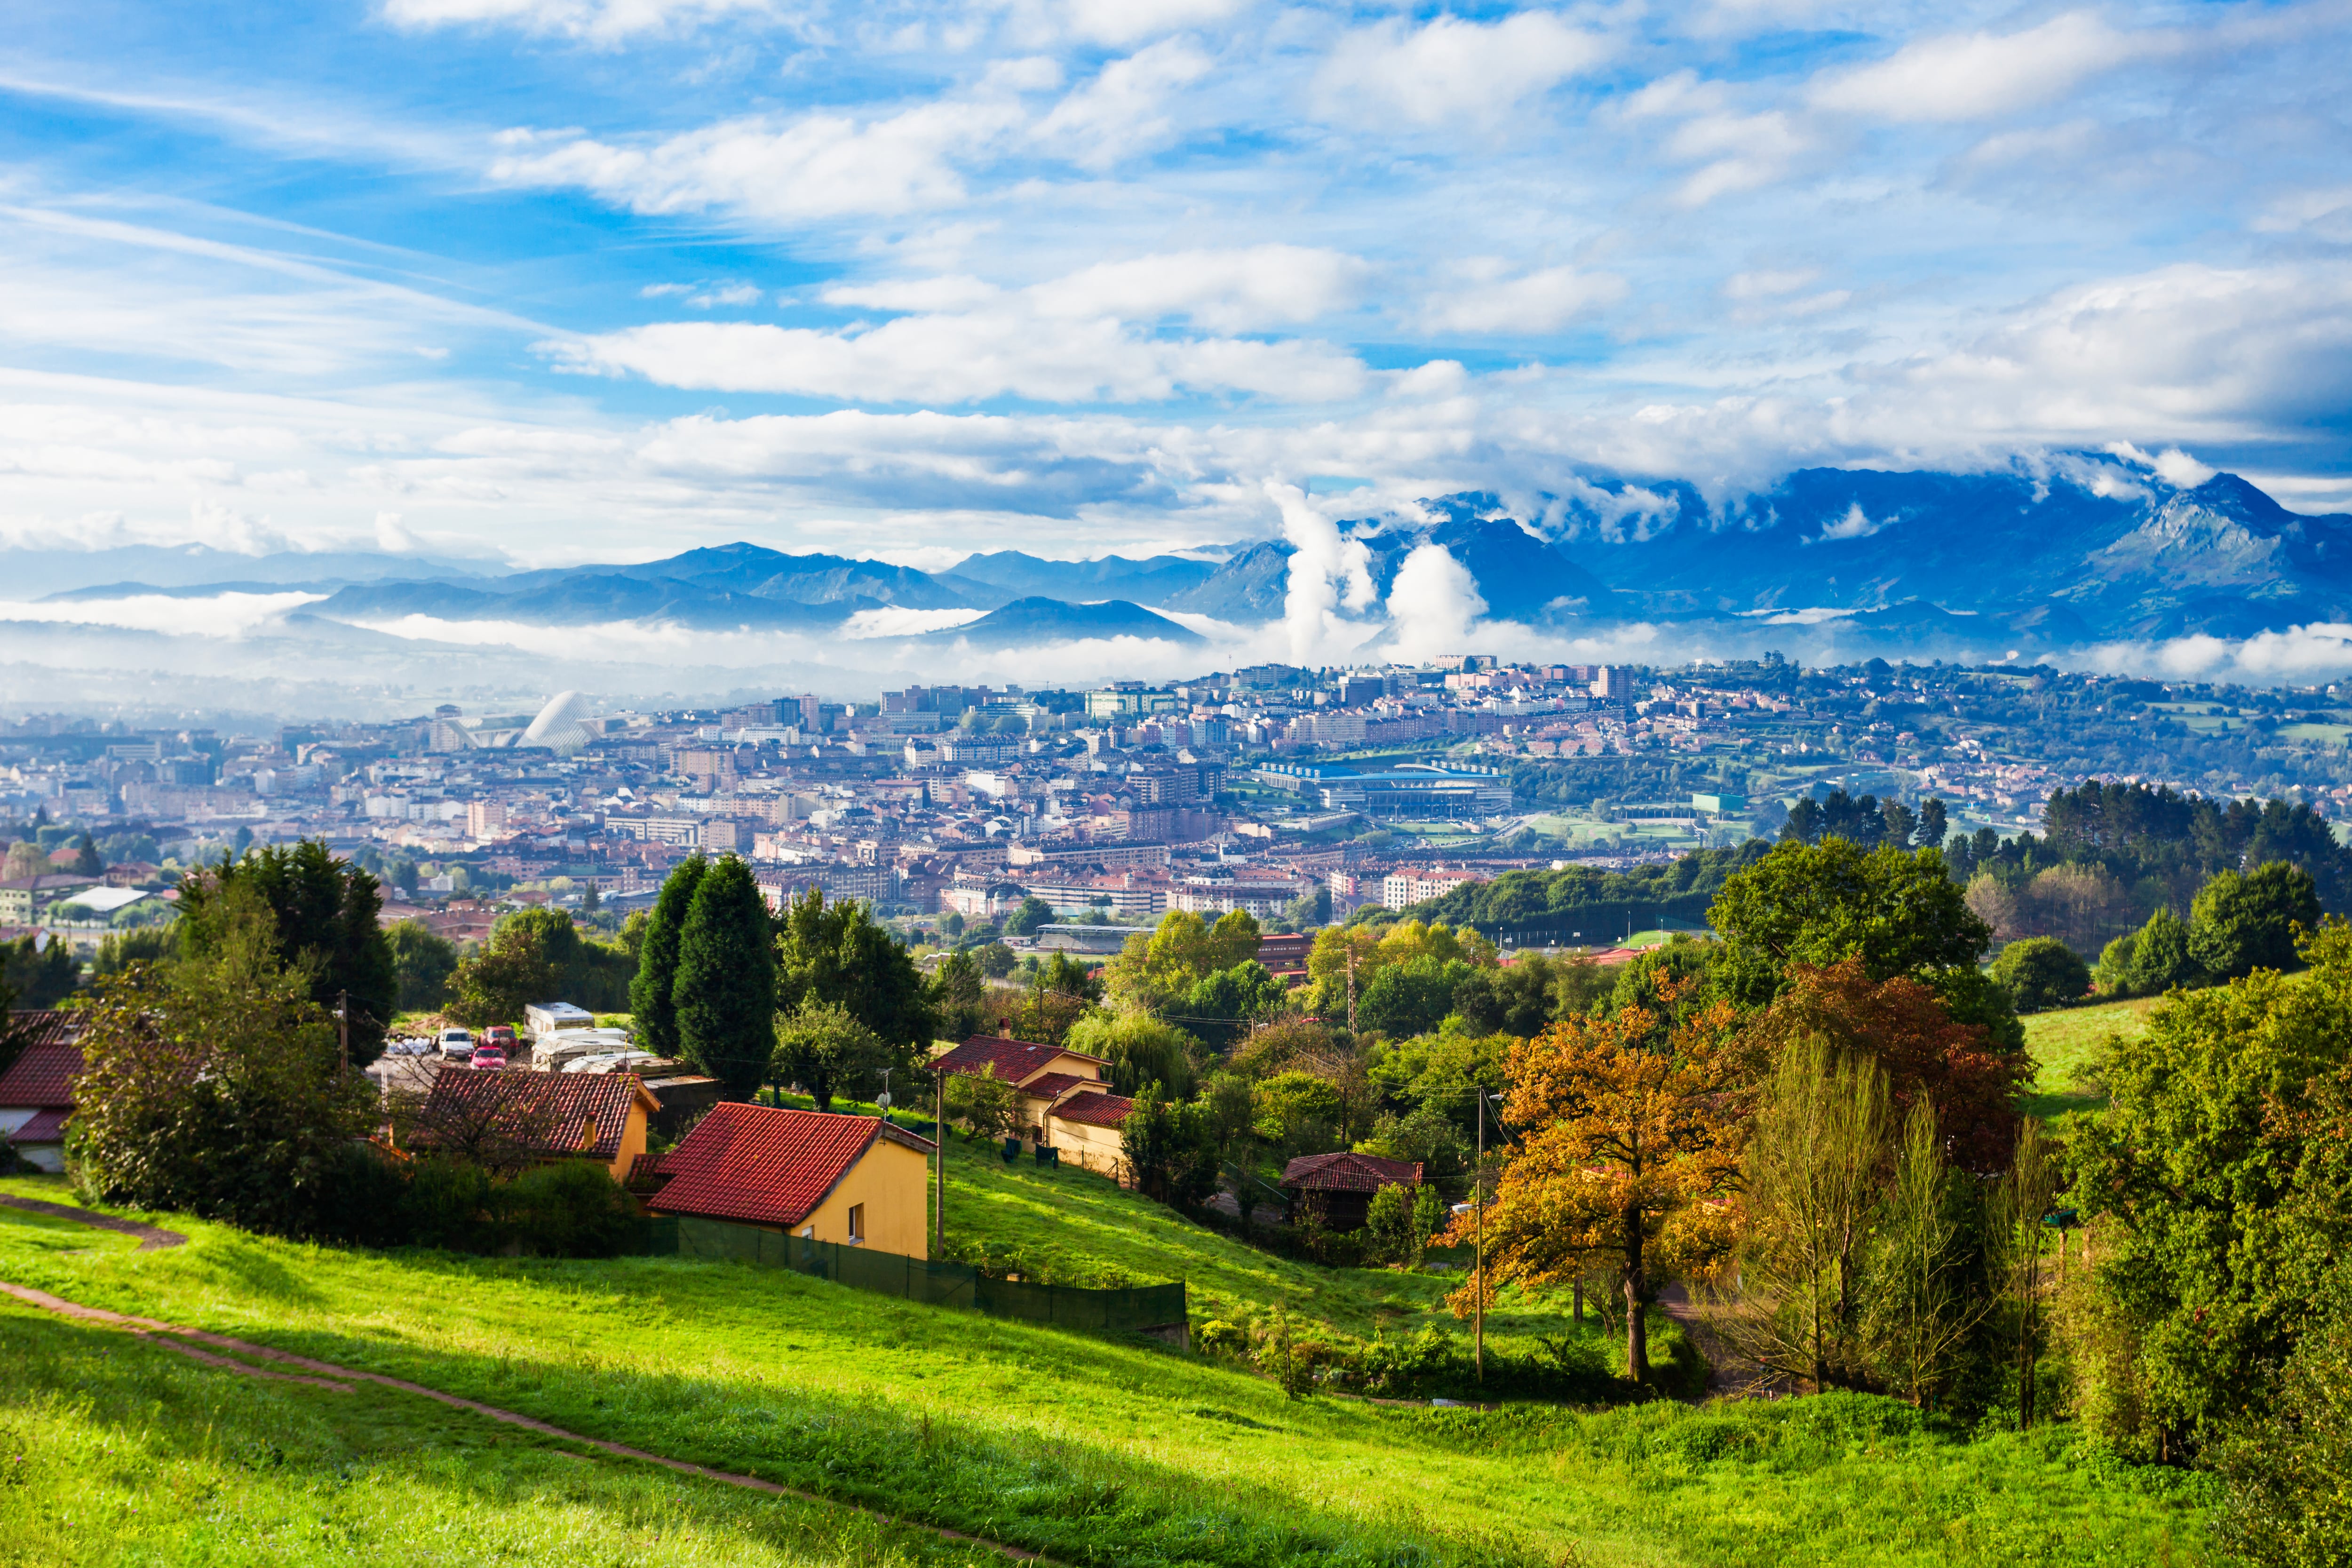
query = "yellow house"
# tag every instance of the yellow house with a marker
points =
(856, 1180)
(1063, 1097)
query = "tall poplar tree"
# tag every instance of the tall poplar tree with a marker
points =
(725, 993)
(653, 1010)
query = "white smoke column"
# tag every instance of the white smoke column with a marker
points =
(1432, 604)
(1327, 573)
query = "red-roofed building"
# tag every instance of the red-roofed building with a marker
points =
(37, 1091)
(1064, 1096)
(1341, 1185)
(856, 1180)
(547, 1116)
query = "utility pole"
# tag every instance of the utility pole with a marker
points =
(343, 1026)
(1478, 1231)
(940, 1161)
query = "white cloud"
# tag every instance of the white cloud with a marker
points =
(1229, 290)
(1540, 302)
(1855, 524)
(1121, 112)
(1122, 22)
(220, 614)
(1432, 603)
(1453, 69)
(814, 166)
(1743, 152)
(2323, 214)
(602, 21)
(1327, 575)
(963, 359)
(1767, 285)
(901, 621)
(1975, 76)
(2173, 466)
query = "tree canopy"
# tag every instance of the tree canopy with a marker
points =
(726, 989)
(323, 920)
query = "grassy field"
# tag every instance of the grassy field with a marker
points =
(1093, 1450)
(2063, 1044)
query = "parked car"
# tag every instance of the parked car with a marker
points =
(489, 1056)
(500, 1035)
(458, 1045)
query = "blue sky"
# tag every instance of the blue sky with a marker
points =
(562, 279)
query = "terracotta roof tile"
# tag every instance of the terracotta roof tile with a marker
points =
(1012, 1059)
(43, 1077)
(1054, 1085)
(1094, 1109)
(1348, 1173)
(763, 1164)
(46, 1126)
(550, 1111)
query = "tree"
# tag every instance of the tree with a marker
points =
(2286, 1463)
(1929, 1055)
(823, 1049)
(2240, 923)
(509, 973)
(839, 952)
(1141, 1049)
(88, 861)
(1893, 910)
(40, 970)
(958, 996)
(1168, 1149)
(2197, 1167)
(214, 1087)
(1919, 1310)
(995, 960)
(1929, 834)
(2020, 1202)
(1238, 995)
(652, 994)
(1811, 1173)
(2150, 961)
(1411, 997)
(1901, 824)
(1398, 1222)
(323, 916)
(726, 987)
(424, 963)
(1804, 825)
(985, 1104)
(2041, 973)
(1628, 1123)
(1033, 913)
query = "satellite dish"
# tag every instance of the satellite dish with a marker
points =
(882, 1101)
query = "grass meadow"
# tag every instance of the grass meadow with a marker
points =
(2065, 1045)
(1091, 1450)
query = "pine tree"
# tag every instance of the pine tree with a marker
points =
(652, 1007)
(725, 993)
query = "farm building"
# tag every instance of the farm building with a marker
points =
(1340, 1186)
(497, 1116)
(1063, 1097)
(37, 1091)
(856, 1180)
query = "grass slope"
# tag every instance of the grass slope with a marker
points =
(1093, 1450)
(2064, 1044)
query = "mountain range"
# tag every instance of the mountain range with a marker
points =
(2088, 551)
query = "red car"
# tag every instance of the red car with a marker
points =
(489, 1056)
(500, 1035)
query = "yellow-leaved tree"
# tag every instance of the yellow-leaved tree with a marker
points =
(1628, 1149)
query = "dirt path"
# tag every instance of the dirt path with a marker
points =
(342, 1379)
(1732, 1375)
(152, 1238)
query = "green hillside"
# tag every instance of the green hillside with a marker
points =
(1092, 1450)
(2065, 1042)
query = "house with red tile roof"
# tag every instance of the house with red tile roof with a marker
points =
(1063, 1096)
(37, 1091)
(1341, 1185)
(540, 1116)
(856, 1180)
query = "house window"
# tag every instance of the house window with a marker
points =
(856, 1221)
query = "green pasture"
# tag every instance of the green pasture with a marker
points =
(1092, 1450)
(2066, 1044)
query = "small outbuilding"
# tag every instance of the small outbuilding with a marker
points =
(1340, 1186)
(1063, 1097)
(854, 1180)
(37, 1092)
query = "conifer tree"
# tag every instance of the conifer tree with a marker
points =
(725, 992)
(652, 1007)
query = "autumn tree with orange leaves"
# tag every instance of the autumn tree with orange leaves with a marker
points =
(1629, 1139)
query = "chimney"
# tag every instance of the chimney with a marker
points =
(1004, 1029)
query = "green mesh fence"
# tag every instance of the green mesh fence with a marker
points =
(940, 1283)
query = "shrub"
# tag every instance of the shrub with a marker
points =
(570, 1208)
(447, 1206)
(2040, 972)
